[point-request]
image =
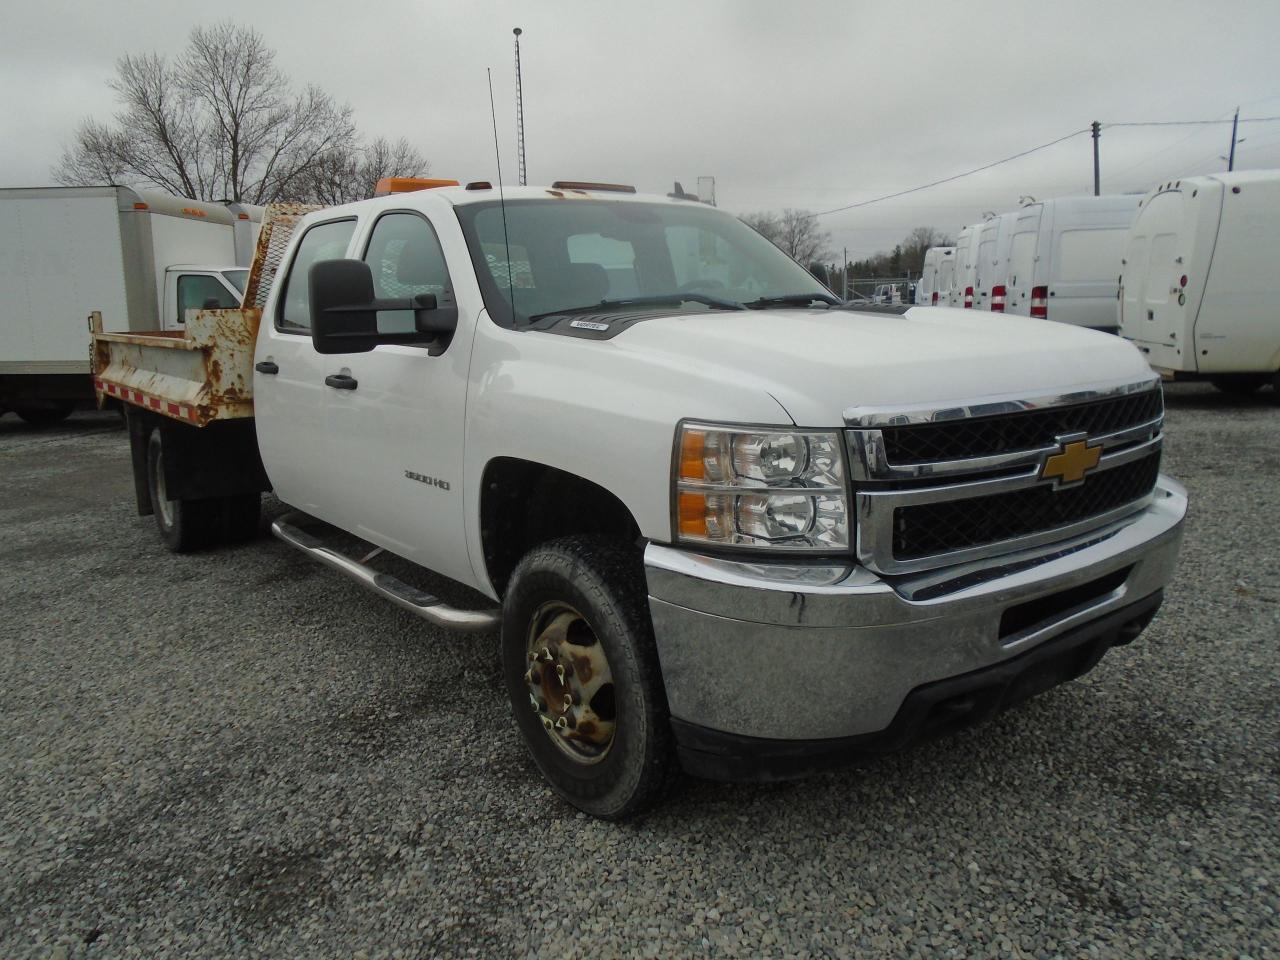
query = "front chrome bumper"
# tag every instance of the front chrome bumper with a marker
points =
(813, 652)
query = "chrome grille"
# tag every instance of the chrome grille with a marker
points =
(934, 487)
(933, 528)
(985, 436)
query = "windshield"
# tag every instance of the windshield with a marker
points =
(238, 278)
(574, 254)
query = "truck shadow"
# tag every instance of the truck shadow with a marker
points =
(80, 423)
(1204, 396)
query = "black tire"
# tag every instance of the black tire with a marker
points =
(1240, 384)
(604, 582)
(45, 416)
(241, 517)
(184, 525)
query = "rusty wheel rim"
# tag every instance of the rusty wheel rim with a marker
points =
(570, 684)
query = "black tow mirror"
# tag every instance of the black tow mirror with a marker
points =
(344, 312)
(344, 317)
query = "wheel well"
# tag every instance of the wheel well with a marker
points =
(523, 504)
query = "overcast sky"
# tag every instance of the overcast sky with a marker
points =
(787, 104)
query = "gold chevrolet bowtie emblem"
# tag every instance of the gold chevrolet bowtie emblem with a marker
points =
(1071, 463)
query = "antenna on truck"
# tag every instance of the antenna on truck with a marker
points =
(502, 201)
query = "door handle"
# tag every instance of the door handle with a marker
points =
(340, 381)
(266, 366)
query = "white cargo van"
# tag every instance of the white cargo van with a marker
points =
(1064, 259)
(141, 258)
(1198, 284)
(936, 276)
(966, 266)
(989, 289)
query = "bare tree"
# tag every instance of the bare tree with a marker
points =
(802, 239)
(341, 176)
(794, 232)
(221, 121)
(907, 256)
(917, 242)
(768, 225)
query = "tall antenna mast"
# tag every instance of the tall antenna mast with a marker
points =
(523, 174)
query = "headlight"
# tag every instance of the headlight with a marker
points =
(779, 489)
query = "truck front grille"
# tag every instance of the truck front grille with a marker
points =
(984, 436)
(939, 487)
(938, 528)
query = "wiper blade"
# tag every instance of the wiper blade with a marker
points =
(649, 301)
(794, 299)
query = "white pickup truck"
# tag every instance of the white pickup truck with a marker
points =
(723, 522)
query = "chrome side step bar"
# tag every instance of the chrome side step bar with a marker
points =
(288, 528)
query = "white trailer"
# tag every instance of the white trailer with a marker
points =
(140, 258)
(1064, 259)
(1198, 287)
(936, 276)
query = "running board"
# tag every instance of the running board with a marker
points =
(416, 601)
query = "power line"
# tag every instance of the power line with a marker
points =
(1043, 146)
(1187, 123)
(967, 173)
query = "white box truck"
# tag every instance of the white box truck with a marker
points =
(1064, 259)
(1197, 289)
(141, 258)
(936, 276)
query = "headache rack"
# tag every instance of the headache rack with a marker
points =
(940, 486)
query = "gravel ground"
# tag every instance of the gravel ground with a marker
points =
(240, 754)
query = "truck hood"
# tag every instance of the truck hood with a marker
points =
(819, 363)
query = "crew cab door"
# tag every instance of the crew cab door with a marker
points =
(288, 381)
(394, 425)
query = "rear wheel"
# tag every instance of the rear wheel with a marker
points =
(45, 416)
(241, 517)
(185, 525)
(1240, 384)
(581, 670)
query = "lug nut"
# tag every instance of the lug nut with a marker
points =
(562, 724)
(546, 655)
(568, 700)
(546, 722)
(560, 672)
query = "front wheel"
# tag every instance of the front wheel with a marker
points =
(581, 668)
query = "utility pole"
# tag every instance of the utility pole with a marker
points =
(523, 174)
(1097, 178)
(845, 275)
(1231, 157)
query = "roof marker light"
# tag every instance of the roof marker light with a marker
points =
(389, 185)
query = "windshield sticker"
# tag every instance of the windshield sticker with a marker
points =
(588, 325)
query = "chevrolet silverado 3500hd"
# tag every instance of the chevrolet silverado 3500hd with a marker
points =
(724, 521)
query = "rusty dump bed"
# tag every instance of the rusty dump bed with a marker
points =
(199, 375)
(204, 372)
